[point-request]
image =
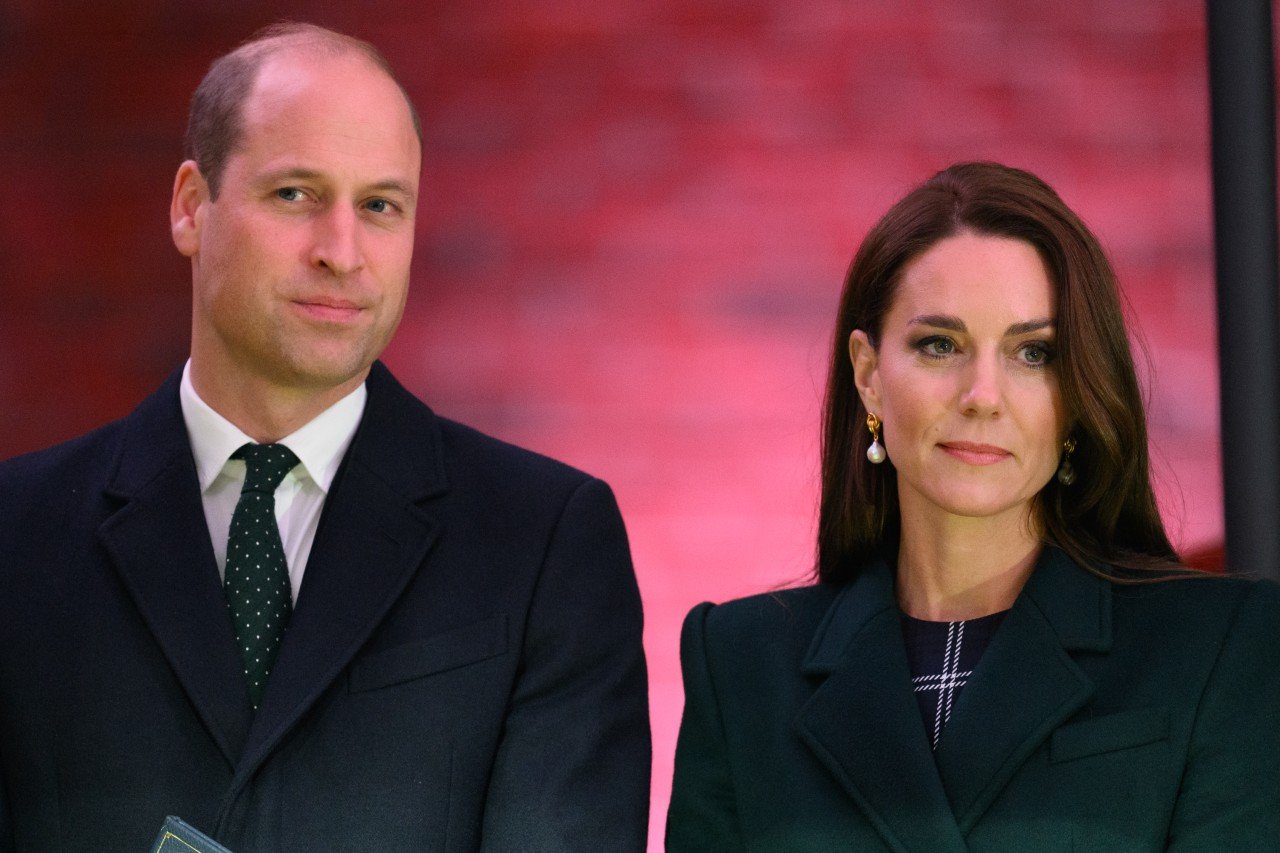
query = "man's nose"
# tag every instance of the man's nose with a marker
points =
(337, 244)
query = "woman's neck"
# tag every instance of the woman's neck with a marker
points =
(953, 568)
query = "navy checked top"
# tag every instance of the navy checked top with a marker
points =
(942, 656)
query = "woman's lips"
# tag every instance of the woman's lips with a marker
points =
(975, 454)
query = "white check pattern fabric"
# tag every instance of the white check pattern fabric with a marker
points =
(943, 656)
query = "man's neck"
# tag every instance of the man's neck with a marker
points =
(263, 410)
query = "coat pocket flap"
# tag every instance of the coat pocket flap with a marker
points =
(450, 650)
(1122, 730)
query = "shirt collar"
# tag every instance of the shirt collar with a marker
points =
(319, 444)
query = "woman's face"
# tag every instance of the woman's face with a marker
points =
(964, 379)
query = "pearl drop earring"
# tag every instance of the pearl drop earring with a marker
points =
(1067, 474)
(875, 453)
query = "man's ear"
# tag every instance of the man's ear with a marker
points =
(186, 208)
(866, 374)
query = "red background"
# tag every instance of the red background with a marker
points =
(635, 219)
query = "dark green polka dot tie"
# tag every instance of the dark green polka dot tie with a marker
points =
(257, 584)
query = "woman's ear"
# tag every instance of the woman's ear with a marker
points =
(866, 363)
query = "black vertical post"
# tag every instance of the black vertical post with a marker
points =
(1242, 84)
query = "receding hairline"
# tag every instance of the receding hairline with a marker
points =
(276, 38)
(282, 39)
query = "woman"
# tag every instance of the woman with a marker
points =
(1001, 651)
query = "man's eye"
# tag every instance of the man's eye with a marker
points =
(379, 205)
(289, 194)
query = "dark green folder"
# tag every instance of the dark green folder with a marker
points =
(176, 836)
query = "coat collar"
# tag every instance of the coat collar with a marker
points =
(864, 723)
(374, 532)
(159, 543)
(1026, 684)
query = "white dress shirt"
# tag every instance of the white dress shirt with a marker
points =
(319, 446)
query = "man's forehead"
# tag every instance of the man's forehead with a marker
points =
(318, 76)
(303, 106)
(293, 72)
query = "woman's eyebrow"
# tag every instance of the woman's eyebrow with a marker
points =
(941, 321)
(955, 324)
(1029, 326)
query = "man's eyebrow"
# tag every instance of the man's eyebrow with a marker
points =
(292, 174)
(955, 324)
(393, 186)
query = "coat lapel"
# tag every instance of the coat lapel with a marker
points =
(159, 544)
(372, 537)
(863, 721)
(1026, 684)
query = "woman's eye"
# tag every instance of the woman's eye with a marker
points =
(937, 347)
(1036, 355)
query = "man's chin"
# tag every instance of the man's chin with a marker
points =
(323, 373)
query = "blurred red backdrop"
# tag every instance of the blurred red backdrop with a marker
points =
(635, 220)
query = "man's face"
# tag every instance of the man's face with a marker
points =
(301, 265)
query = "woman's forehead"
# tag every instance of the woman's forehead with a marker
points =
(978, 279)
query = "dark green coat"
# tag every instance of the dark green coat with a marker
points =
(1101, 717)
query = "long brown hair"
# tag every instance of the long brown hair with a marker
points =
(1109, 515)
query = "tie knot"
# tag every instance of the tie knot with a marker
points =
(266, 465)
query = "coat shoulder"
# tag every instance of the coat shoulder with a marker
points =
(72, 454)
(760, 626)
(85, 460)
(770, 609)
(405, 440)
(1196, 602)
(485, 454)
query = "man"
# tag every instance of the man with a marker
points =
(282, 600)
